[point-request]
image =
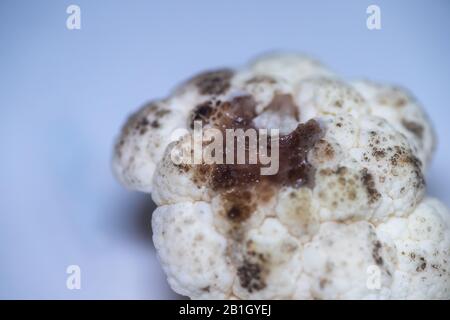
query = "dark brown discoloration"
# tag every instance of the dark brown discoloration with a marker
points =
(294, 170)
(155, 124)
(422, 264)
(376, 254)
(421, 267)
(141, 126)
(369, 183)
(234, 180)
(201, 112)
(413, 127)
(251, 276)
(238, 205)
(213, 82)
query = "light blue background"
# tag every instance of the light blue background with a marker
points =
(64, 95)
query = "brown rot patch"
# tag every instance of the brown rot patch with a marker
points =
(238, 206)
(213, 82)
(239, 179)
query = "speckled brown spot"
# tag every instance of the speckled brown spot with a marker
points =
(376, 254)
(251, 276)
(323, 150)
(214, 82)
(369, 183)
(402, 157)
(378, 153)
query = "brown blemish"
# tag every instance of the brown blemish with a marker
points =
(422, 265)
(402, 157)
(206, 289)
(378, 153)
(155, 124)
(214, 82)
(369, 183)
(323, 282)
(413, 127)
(139, 122)
(201, 112)
(141, 126)
(238, 205)
(261, 79)
(376, 255)
(250, 276)
(233, 181)
(161, 113)
(323, 150)
(284, 104)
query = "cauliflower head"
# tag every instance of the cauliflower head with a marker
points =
(344, 217)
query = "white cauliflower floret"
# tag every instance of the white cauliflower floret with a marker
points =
(268, 261)
(422, 246)
(338, 259)
(404, 114)
(142, 143)
(343, 218)
(364, 170)
(192, 252)
(290, 67)
(328, 96)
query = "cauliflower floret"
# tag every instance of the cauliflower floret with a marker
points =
(338, 260)
(192, 252)
(404, 114)
(143, 140)
(422, 247)
(344, 217)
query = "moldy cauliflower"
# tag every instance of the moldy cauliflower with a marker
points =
(346, 215)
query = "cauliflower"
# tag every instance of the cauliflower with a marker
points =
(344, 217)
